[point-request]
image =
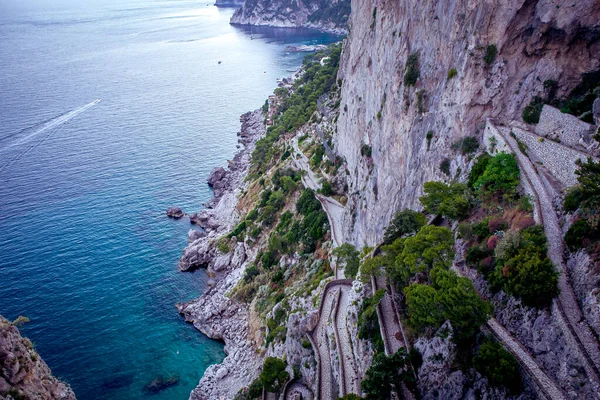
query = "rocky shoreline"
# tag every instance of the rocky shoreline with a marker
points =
(23, 374)
(213, 313)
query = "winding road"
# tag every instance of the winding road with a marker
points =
(576, 329)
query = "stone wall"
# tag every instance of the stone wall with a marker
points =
(566, 128)
(558, 159)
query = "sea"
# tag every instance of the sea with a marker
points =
(111, 112)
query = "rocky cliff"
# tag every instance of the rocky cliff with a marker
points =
(535, 41)
(331, 16)
(23, 374)
(414, 79)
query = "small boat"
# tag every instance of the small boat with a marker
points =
(220, 62)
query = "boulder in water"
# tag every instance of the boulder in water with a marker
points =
(175, 212)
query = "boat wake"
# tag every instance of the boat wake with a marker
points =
(31, 137)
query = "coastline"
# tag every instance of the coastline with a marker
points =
(213, 313)
(282, 24)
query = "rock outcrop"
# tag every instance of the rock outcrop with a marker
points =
(536, 40)
(331, 16)
(23, 374)
(175, 212)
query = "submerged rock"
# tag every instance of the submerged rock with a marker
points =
(161, 383)
(118, 381)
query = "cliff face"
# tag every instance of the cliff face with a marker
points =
(23, 374)
(536, 40)
(325, 15)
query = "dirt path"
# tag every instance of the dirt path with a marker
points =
(577, 331)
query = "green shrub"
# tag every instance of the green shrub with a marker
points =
(523, 268)
(499, 366)
(412, 72)
(374, 18)
(240, 228)
(451, 201)
(580, 100)
(532, 111)
(466, 145)
(307, 202)
(576, 233)
(445, 166)
(501, 176)
(429, 136)
(478, 168)
(404, 222)
(250, 273)
(273, 375)
(366, 150)
(298, 107)
(348, 256)
(491, 52)
(222, 245)
(326, 189)
(431, 247)
(450, 297)
(452, 73)
(368, 324)
(588, 176)
(573, 199)
(252, 215)
(385, 375)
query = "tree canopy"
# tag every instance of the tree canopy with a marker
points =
(501, 176)
(404, 222)
(273, 375)
(431, 247)
(349, 257)
(385, 375)
(449, 297)
(451, 201)
(498, 365)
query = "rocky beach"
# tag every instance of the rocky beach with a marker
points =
(214, 314)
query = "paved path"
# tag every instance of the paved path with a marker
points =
(334, 209)
(544, 383)
(391, 330)
(324, 376)
(576, 330)
(351, 382)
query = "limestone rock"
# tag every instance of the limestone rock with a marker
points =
(22, 372)
(331, 16)
(175, 212)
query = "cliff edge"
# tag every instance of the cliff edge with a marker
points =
(330, 16)
(23, 374)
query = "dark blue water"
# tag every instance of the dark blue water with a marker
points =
(86, 251)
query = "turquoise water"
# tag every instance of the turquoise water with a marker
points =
(86, 251)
